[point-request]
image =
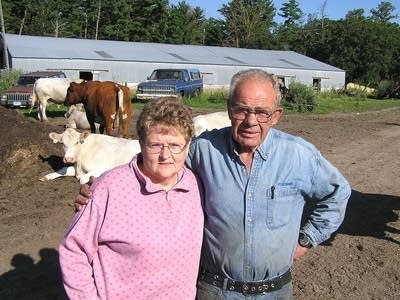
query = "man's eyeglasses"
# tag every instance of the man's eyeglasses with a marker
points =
(241, 113)
(155, 148)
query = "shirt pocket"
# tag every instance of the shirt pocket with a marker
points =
(280, 204)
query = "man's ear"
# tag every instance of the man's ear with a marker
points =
(277, 115)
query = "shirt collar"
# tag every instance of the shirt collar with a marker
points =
(262, 150)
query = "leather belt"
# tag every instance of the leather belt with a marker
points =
(246, 288)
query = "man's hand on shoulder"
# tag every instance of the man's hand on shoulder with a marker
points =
(82, 198)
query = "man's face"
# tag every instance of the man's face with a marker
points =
(253, 112)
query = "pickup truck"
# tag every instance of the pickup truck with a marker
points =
(166, 82)
(20, 95)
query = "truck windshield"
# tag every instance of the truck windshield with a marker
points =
(26, 80)
(166, 74)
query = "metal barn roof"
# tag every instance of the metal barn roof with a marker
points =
(23, 46)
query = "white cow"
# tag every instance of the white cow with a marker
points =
(49, 89)
(91, 154)
(211, 121)
(76, 118)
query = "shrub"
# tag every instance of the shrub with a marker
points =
(8, 79)
(299, 98)
(387, 89)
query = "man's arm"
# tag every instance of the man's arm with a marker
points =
(331, 192)
(82, 198)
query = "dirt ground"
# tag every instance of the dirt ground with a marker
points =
(361, 261)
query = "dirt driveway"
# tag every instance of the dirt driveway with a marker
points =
(360, 262)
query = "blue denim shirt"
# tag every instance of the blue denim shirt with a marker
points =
(252, 219)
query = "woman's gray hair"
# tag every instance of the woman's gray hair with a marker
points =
(253, 73)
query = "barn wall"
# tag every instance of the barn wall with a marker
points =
(133, 72)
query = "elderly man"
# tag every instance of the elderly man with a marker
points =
(257, 180)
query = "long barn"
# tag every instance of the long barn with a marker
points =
(131, 62)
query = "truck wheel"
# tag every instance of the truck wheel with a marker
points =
(196, 93)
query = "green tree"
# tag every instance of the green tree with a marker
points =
(291, 13)
(16, 15)
(248, 23)
(288, 34)
(148, 20)
(366, 49)
(116, 24)
(47, 17)
(186, 24)
(384, 12)
(214, 30)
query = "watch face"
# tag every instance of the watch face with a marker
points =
(304, 241)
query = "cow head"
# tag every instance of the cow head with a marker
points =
(72, 108)
(71, 141)
(75, 94)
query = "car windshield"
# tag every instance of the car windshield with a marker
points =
(166, 74)
(27, 80)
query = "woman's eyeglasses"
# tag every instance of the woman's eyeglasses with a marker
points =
(155, 148)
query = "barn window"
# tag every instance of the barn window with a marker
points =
(85, 75)
(316, 84)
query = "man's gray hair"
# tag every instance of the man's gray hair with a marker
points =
(253, 73)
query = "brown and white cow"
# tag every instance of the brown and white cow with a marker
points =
(105, 102)
(90, 154)
(49, 89)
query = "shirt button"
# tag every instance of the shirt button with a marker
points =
(250, 220)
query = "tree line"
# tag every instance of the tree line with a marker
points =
(365, 44)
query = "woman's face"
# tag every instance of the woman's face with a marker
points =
(162, 167)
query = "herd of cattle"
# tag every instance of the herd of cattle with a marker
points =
(106, 103)
(98, 106)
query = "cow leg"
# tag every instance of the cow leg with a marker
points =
(65, 171)
(42, 109)
(39, 112)
(108, 123)
(125, 127)
(92, 125)
(101, 128)
(109, 127)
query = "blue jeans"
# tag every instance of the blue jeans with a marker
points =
(207, 291)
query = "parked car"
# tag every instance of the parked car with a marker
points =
(20, 95)
(167, 82)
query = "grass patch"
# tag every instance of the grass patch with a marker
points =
(346, 104)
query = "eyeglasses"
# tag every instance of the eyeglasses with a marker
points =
(155, 148)
(241, 113)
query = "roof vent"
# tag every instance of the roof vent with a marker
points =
(290, 63)
(177, 56)
(103, 54)
(235, 60)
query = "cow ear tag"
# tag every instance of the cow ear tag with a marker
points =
(55, 141)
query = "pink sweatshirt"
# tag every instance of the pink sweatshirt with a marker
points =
(134, 240)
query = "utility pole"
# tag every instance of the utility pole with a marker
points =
(3, 33)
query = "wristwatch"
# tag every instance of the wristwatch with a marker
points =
(304, 240)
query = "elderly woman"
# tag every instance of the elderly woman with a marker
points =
(140, 236)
